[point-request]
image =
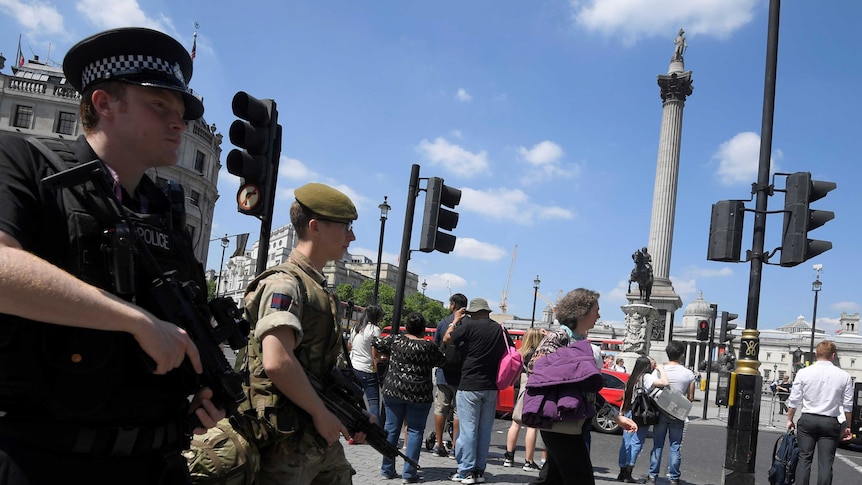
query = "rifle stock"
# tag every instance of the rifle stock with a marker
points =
(344, 400)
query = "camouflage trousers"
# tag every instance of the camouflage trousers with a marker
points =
(304, 463)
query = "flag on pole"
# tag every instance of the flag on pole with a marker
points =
(19, 60)
(241, 240)
(195, 43)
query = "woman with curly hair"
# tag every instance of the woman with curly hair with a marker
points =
(559, 369)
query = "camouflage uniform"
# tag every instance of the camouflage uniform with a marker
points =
(294, 294)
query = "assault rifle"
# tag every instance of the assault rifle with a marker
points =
(344, 399)
(181, 303)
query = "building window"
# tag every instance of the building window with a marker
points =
(66, 123)
(195, 198)
(23, 116)
(200, 158)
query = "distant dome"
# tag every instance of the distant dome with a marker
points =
(799, 326)
(698, 307)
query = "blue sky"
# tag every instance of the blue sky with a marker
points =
(545, 113)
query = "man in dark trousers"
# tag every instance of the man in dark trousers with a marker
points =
(819, 392)
(447, 379)
(92, 387)
(484, 343)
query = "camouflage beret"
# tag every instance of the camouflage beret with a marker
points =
(326, 201)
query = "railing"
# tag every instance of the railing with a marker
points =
(37, 87)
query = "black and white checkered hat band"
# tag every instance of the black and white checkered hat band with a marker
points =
(119, 66)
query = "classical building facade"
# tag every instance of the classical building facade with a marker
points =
(36, 101)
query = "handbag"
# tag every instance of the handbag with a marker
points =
(511, 365)
(644, 410)
(517, 411)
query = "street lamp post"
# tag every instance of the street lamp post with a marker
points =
(225, 242)
(815, 287)
(535, 295)
(384, 211)
(424, 286)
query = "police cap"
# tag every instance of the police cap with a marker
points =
(133, 55)
(326, 201)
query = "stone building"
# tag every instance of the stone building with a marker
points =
(36, 101)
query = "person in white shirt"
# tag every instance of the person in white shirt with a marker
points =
(361, 356)
(620, 366)
(818, 392)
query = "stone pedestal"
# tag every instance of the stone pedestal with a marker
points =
(640, 321)
(665, 301)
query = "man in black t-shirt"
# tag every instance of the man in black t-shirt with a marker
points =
(484, 343)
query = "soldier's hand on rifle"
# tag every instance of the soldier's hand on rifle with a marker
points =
(205, 410)
(329, 426)
(167, 344)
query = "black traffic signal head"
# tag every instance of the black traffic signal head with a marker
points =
(726, 327)
(703, 330)
(799, 219)
(257, 164)
(725, 231)
(436, 217)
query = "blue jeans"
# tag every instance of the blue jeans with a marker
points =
(476, 420)
(416, 414)
(672, 428)
(632, 444)
(371, 387)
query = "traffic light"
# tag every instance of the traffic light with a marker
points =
(436, 217)
(257, 164)
(799, 219)
(726, 327)
(703, 330)
(725, 231)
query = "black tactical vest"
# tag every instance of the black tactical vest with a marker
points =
(65, 373)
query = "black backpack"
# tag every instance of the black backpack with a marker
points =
(454, 355)
(785, 455)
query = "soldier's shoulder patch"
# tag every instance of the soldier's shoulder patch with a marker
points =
(280, 301)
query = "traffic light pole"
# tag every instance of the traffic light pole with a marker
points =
(398, 304)
(710, 349)
(744, 415)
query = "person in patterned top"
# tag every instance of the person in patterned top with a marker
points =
(408, 389)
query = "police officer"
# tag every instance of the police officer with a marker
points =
(296, 331)
(91, 388)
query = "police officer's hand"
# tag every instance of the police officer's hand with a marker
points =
(205, 410)
(167, 344)
(329, 427)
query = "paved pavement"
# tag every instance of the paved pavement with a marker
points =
(436, 470)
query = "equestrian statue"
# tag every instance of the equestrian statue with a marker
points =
(642, 273)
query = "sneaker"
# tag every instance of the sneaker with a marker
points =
(390, 477)
(531, 466)
(415, 479)
(674, 482)
(439, 451)
(472, 478)
(457, 477)
(452, 453)
(508, 458)
(478, 477)
(650, 479)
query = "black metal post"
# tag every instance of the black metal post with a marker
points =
(535, 294)
(225, 242)
(412, 192)
(709, 351)
(815, 287)
(384, 211)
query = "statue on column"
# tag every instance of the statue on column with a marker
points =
(679, 46)
(642, 273)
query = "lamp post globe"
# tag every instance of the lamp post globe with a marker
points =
(225, 242)
(536, 283)
(815, 287)
(384, 213)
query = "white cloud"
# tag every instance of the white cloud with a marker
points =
(545, 159)
(295, 169)
(636, 19)
(543, 153)
(509, 204)
(845, 306)
(685, 288)
(697, 272)
(470, 248)
(38, 19)
(454, 158)
(457, 134)
(444, 280)
(738, 159)
(120, 13)
(463, 96)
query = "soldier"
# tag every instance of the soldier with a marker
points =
(90, 385)
(295, 331)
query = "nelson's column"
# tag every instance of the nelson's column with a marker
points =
(675, 86)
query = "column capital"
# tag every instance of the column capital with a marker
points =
(675, 86)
